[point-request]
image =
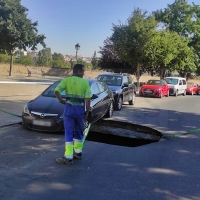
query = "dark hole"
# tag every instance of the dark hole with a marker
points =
(116, 140)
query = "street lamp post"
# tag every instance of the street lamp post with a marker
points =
(77, 47)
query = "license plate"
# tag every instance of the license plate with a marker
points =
(41, 123)
(148, 91)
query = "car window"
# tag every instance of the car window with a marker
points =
(190, 84)
(154, 82)
(102, 87)
(130, 80)
(94, 88)
(184, 82)
(164, 82)
(171, 81)
(180, 82)
(110, 80)
(125, 80)
(50, 91)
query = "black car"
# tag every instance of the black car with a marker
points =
(123, 88)
(45, 113)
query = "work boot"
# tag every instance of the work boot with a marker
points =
(78, 155)
(64, 161)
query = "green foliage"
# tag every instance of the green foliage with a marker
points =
(94, 61)
(45, 57)
(16, 30)
(184, 19)
(110, 61)
(58, 60)
(86, 65)
(4, 58)
(25, 60)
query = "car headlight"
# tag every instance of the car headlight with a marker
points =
(26, 110)
(158, 89)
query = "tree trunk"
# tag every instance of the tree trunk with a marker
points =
(138, 76)
(11, 64)
(161, 72)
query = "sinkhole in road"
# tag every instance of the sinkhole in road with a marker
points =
(117, 140)
(122, 133)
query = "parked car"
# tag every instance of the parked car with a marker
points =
(154, 88)
(177, 85)
(45, 113)
(192, 88)
(122, 86)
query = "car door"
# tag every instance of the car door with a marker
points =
(164, 87)
(125, 89)
(105, 98)
(96, 104)
(180, 86)
(131, 87)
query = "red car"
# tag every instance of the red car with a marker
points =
(192, 88)
(155, 88)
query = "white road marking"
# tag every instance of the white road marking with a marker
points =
(11, 82)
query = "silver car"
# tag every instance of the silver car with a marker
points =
(177, 85)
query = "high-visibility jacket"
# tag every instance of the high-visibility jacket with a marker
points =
(76, 89)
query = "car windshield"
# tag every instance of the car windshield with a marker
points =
(171, 81)
(190, 84)
(154, 82)
(50, 91)
(110, 80)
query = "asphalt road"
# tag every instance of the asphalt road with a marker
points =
(168, 169)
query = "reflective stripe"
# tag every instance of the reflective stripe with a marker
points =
(88, 94)
(78, 145)
(68, 150)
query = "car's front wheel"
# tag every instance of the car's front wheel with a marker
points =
(110, 110)
(132, 101)
(118, 104)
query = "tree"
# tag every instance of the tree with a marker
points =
(110, 61)
(129, 40)
(94, 61)
(16, 30)
(169, 51)
(45, 57)
(58, 60)
(184, 19)
(25, 60)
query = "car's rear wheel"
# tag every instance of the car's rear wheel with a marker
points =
(110, 110)
(118, 104)
(176, 93)
(132, 101)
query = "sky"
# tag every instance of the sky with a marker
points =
(87, 22)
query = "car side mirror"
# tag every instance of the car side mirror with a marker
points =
(125, 85)
(94, 96)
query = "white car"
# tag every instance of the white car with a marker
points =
(177, 85)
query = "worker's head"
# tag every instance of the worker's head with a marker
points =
(78, 69)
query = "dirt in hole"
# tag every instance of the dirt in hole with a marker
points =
(117, 140)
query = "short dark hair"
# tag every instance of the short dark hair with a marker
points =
(77, 68)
